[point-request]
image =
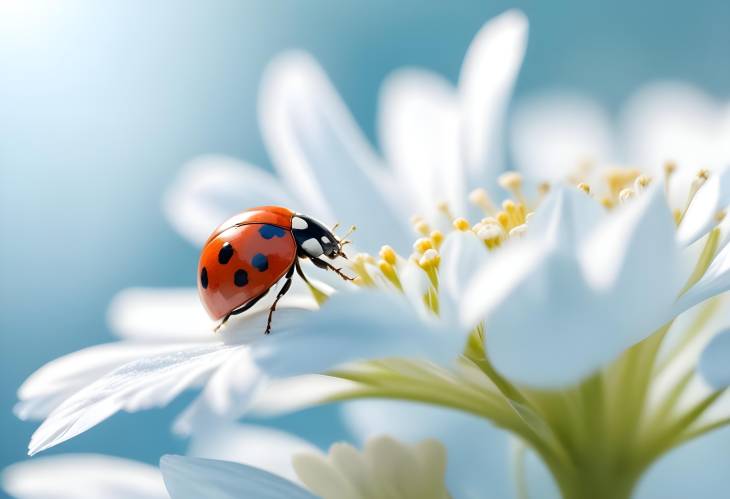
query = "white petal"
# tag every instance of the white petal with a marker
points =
(210, 189)
(715, 361)
(633, 259)
(696, 469)
(565, 219)
(553, 135)
(715, 281)
(462, 254)
(83, 476)
(142, 384)
(323, 157)
(355, 326)
(194, 478)
(56, 381)
(265, 448)
(419, 125)
(281, 396)
(485, 84)
(226, 395)
(165, 314)
(477, 452)
(675, 121)
(701, 215)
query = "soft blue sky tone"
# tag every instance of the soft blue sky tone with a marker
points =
(101, 103)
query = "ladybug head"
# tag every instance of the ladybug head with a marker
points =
(313, 238)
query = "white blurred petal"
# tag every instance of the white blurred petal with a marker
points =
(285, 395)
(462, 253)
(210, 189)
(148, 382)
(696, 469)
(56, 381)
(701, 215)
(714, 363)
(164, 314)
(195, 478)
(485, 84)
(83, 476)
(419, 125)
(676, 121)
(356, 326)
(476, 451)
(323, 157)
(552, 135)
(265, 448)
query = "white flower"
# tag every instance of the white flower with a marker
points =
(438, 143)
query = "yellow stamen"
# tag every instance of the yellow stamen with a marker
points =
(437, 237)
(641, 183)
(444, 208)
(720, 216)
(584, 187)
(626, 194)
(491, 233)
(698, 182)
(422, 245)
(429, 259)
(388, 254)
(388, 270)
(461, 224)
(543, 189)
(503, 220)
(422, 228)
(512, 182)
(669, 168)
(618, 179)
(480, 198)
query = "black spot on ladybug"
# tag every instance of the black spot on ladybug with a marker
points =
(260, 262)
(269, 231)
(240, 278)
(204, 278)
(225, 254)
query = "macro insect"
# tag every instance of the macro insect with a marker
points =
(250, 252)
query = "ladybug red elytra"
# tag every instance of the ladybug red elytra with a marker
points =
(250, 252)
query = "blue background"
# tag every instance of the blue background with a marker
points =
(101, 103)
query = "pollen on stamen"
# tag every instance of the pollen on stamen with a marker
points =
(422, 245)
(461, 224)
(641, 183)
(584, 187)
(512, 182)
(480, 198)
(430, 259)
(390, 273)
(388, 254)
(626, 194)
(437, 237)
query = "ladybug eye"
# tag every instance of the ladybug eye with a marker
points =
(312, 247)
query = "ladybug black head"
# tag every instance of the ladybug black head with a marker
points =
(313, 238)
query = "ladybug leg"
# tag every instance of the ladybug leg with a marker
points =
(328, 266)
(282, 292)
(240, 310)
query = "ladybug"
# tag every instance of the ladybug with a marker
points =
(250, 252)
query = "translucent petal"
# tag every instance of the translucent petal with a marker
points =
(419, 126)
(83, 476)
(141, 384)
(193, 478)
(56, 381)
(485, 84)
(461, 254)
(323, 157)
(211, 189)
(701, 216)
(715, 281)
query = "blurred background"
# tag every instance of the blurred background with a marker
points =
(101, 103)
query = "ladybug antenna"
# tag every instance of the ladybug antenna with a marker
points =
(334, 227)
(352, 229)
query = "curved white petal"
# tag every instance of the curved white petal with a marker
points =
(193, 478)
(714, 363)
(265, 448)
(83, 476)
(552, 135)
(56, 381)
(282, 396)
(711, 199)
(462, 253)
(355, 326)
(210, 189)
(419, 130)
(323, 157)
(164, 314)
(477, 453)
(715, 281)
(226, 395)
(148, 382)
(485, 84)
(696, 469)
(676, 121)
